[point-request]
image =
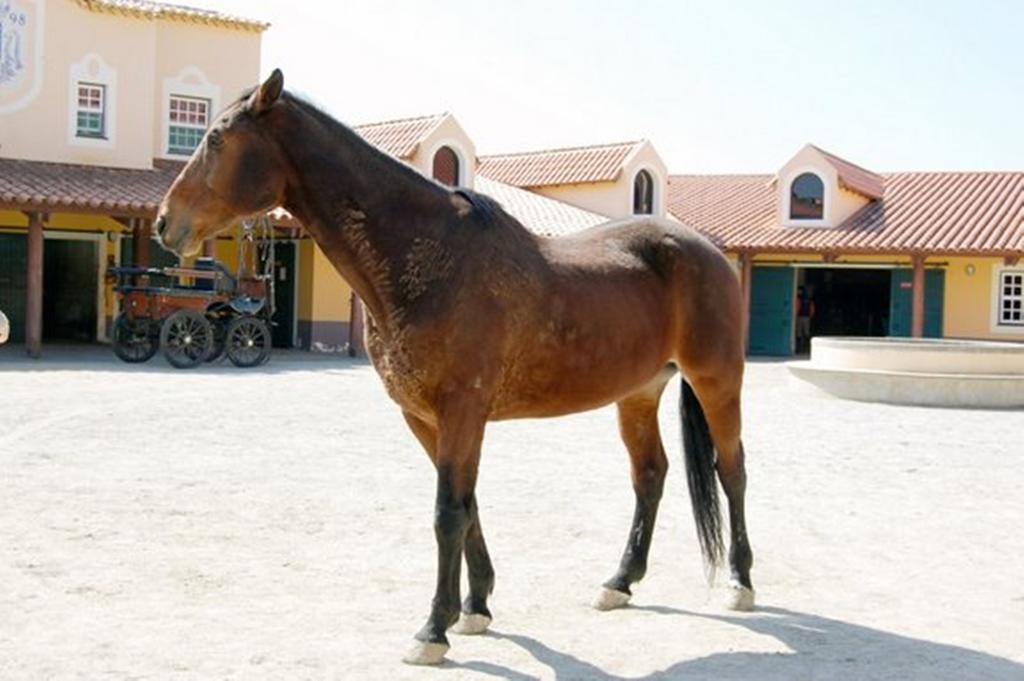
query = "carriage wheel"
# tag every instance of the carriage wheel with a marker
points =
(186, 338)
(133, 339)
(248, 341)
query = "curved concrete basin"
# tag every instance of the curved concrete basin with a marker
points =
(932, 372)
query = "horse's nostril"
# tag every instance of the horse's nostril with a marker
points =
(160, 225)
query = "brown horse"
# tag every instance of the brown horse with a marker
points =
(472, 318)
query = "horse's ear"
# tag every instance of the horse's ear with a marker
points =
(265, 95)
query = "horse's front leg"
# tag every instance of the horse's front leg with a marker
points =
(459, 435)
(476, 616)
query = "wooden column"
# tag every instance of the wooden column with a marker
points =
(34, 287)
(917, 304)
(140, 242)
(746, 274)
(210, 248)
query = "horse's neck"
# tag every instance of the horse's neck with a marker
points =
(364, 209)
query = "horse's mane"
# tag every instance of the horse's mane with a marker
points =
(486, 210)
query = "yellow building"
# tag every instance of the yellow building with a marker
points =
(100, 103)
(934, 254)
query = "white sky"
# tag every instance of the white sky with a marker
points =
(717, 86)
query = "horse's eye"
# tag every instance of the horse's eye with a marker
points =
(215, 138)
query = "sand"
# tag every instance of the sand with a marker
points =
(276, 524)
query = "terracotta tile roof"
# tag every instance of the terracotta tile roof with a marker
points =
(539, 214)
(935, 212)
(853, 177)
(52, 186)
(573, 165)
(144, 9)
(400, 137)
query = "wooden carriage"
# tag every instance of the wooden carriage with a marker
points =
(204, 314)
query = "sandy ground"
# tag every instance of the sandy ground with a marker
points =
(276, 524)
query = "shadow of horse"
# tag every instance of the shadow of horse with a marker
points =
(822, 649)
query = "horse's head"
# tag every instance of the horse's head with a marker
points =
(237, 170)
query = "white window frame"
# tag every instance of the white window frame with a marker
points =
(465, 172)
(97, 91)
(997, 323)
(826, 198)
(654, 193)
(92, 70)
(186, 125)
(190, 82)
(656, 185)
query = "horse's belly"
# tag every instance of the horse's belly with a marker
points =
(576, 378)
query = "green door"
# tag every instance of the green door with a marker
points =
(13, 278)
(901, 303)
(284, 295)
(771, 311)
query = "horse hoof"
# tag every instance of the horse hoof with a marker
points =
(471, 624)
(610, 599)
(739, 597)
(426, 653)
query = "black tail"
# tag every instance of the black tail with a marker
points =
(699, 453)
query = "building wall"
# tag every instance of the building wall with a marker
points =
(971, 298)
(324, 301)
(136, 60)
(202, 61)
(105, 46)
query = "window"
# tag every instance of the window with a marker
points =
(446, 167)
(807, 198)
(1011, 298)
(189, 117)
(643, 194)
(89, 118)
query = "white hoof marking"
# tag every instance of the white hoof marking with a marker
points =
(609, 599)
(426, 653)
(739, 597)
(471, 624)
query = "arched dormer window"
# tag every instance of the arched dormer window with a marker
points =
(807, 198)
(643, 193)
(446, 167)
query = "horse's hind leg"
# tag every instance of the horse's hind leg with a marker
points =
(638, 426)
(720, 400)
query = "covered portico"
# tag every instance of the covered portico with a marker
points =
(55, 202)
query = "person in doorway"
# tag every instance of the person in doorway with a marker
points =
(804, 314)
